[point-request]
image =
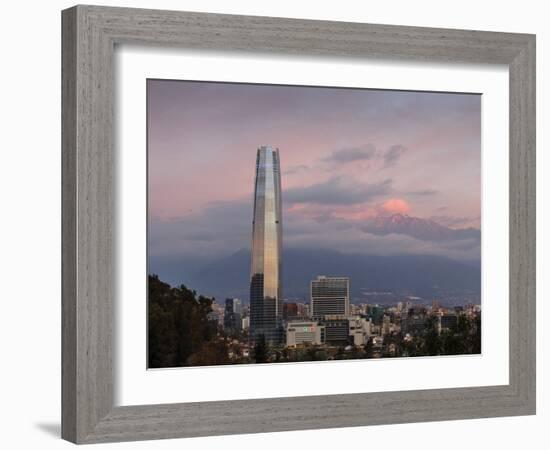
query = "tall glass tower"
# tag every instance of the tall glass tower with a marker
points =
(266, 305)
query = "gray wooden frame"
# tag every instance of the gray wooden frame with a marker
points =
(89, 36)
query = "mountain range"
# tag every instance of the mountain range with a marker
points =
(420, 274)
(423, 229)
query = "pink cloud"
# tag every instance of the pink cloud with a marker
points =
(395, 206)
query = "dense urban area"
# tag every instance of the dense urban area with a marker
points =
(186, 329)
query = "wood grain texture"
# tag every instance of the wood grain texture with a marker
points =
(68, 225)
(89, 36)
(522, 224)
(88, 209)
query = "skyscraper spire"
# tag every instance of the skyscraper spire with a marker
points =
(266, 262)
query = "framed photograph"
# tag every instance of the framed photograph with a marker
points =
(278, 224)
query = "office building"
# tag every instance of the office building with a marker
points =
(304, 332)
(266, 306)
(337, 330)
(329, 296)
(232, 318)
(376, 313)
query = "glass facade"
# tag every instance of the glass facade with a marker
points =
(265, 274)
(329, 296)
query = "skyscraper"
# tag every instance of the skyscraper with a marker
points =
(266, 306)
(329, 296)
(232, 318)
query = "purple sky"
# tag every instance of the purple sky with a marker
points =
(347, 157)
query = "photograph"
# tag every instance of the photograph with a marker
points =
(290, 224)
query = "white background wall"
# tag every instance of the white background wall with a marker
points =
(30, 226)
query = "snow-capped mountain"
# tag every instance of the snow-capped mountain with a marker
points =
(423, 229)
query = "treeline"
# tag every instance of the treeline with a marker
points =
(179, 332)
(464, 338)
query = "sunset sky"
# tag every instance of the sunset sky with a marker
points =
(347, 157)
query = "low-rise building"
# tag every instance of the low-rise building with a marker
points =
(359, 330)
(304, 332)
(336, 330)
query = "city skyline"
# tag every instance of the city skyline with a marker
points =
(356, 163)
(329, 331)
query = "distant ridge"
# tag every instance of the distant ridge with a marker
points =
(423, 229)
(229, 277)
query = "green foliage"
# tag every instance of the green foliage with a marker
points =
(474, 342)
(463, 338)
(433, 345)
(261, 350)
(314, 353)
(369, 348)
(210, 353)
(179, 331)
(393, 346)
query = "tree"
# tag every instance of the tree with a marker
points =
(285, 354)
(355, 352)
(432, 342)
(392, 345)
(178, 326)
(453, 343)
(314, 353)
(261, 350)
(475, 336)
(369, 347)
(410, 347)
(211, 353)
